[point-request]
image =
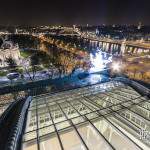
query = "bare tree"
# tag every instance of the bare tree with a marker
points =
(142, 74)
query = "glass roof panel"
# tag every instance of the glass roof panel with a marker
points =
(55, 119)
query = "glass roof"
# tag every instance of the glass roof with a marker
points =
(102, 116)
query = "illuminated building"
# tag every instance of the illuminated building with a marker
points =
(8, 50)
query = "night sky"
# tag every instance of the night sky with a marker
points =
(92, 12)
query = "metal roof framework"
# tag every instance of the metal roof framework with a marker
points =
(111, 115)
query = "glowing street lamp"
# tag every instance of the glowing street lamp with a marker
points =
(116, 67)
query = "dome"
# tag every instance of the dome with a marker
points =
(7, 45)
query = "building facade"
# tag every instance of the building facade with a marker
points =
(9, 49)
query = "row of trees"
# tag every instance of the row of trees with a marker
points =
(64, 57)
(71, 42)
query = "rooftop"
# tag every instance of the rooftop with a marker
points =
(110, 115)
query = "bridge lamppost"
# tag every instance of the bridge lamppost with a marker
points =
(117, 68)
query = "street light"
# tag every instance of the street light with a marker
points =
(116, 66)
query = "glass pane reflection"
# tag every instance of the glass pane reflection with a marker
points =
(92, 139)
(50, 143)
(71, 141)
(113, 136)
(30, 146)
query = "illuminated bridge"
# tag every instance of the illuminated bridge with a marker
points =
(110, 115)
(121, 45)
